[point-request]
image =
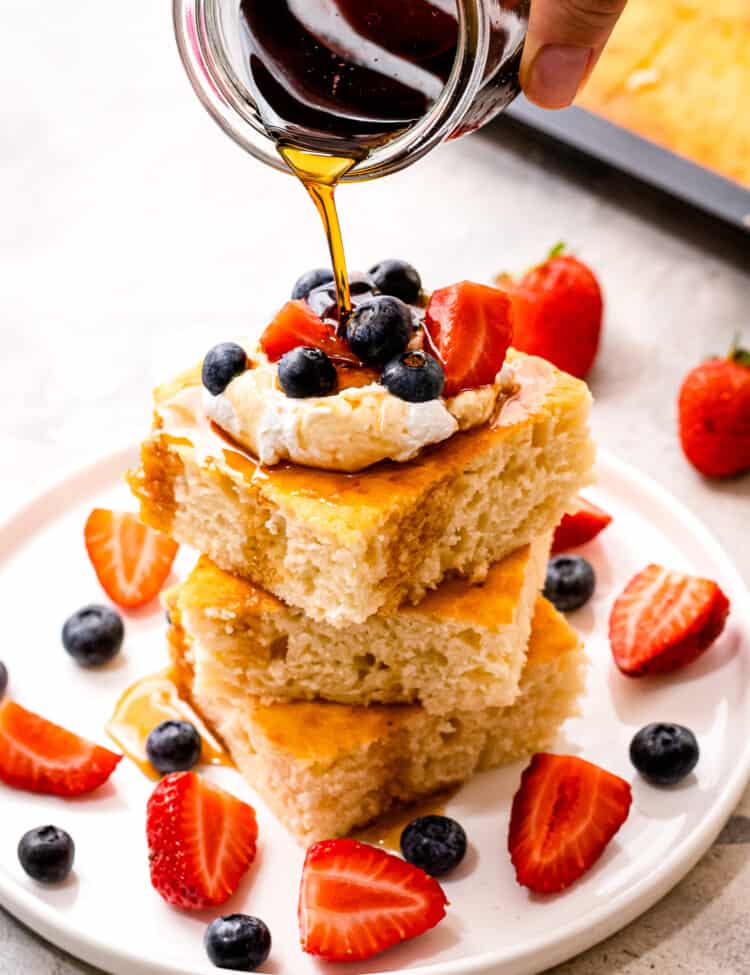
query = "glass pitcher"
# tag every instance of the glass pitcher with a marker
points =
(479, 80)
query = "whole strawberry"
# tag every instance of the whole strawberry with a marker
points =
(557, 312)
(714, 415)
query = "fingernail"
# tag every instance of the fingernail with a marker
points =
(556, 74)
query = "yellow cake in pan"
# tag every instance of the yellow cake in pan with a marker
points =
(342, 547)
(327, 768)
(678, 73)
(462, 646)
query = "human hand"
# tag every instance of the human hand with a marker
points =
(564, 42)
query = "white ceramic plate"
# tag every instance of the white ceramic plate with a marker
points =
(107, 913)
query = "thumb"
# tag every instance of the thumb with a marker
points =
(564, 42)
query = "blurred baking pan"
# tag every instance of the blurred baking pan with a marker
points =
(640, 158)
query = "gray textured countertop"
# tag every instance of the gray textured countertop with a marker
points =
(132, 229)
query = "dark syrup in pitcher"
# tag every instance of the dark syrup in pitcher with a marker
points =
(335, 79)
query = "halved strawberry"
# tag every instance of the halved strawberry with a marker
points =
(38, 756)
(297, 324)
(201, 841)
(579, 526)
(469, 327)
(356, 901)
(564, 814)
(664, 620)
(131, 561)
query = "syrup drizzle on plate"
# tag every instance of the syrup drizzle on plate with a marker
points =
(147, 703)
(386, 831)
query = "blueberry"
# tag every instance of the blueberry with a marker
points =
(238, 942)
(306, 371)
(361, 285)
(437, 844)
(173, 746)
(664, 754)
(378, 329)
(93, 635)
(47, 854)
(222, 364)
(310, 280)
(399, 279)
(3, 680)
(414, 376)
(324, 301)
(570, 582)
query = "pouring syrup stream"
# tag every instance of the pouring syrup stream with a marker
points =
(319, 175)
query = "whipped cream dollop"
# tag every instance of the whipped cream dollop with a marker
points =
(347, 431)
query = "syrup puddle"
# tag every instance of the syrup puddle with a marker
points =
(386, 831)
(146, 704)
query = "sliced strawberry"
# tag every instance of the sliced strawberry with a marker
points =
(201, 841)
(664, 620)
(580, 526)
(297, 324)
(564, 814)
(357, 900)
(468, 326)
(131, 560)
(38, 756)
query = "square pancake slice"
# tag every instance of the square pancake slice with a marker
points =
(342, 547)
(326, 769)
(462, 646)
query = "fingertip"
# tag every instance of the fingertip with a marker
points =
(552, 77)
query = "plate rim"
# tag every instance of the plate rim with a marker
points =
(589, 930)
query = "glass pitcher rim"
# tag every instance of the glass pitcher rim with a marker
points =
(202, 49)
